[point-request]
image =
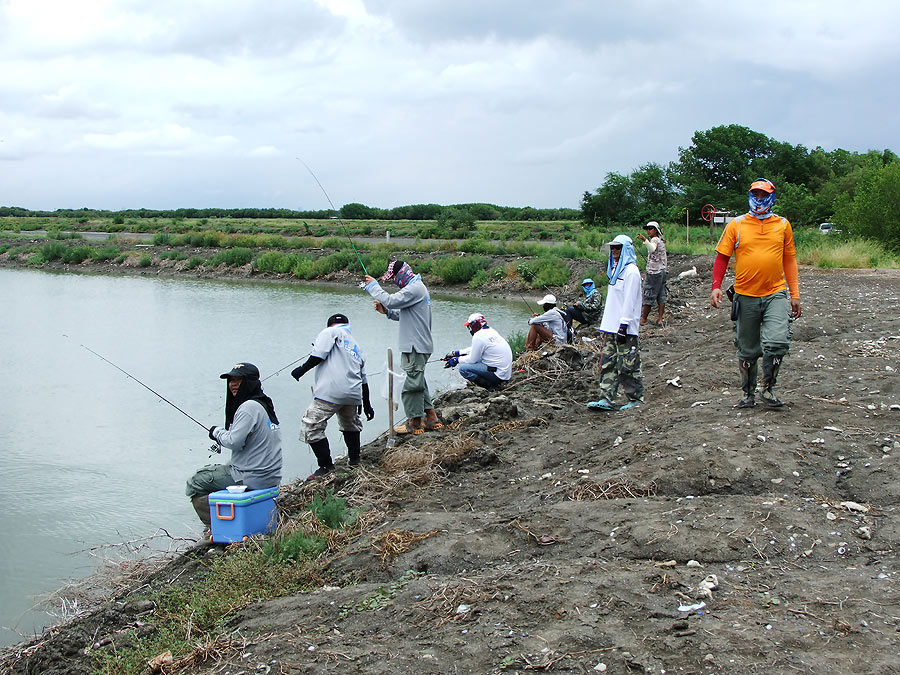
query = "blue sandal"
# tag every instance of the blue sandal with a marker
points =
(602, 404)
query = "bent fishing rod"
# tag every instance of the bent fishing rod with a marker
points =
(102, 358)
(287, 366)
(346, 234)
(527, 305)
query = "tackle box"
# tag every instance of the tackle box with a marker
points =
(237, 515)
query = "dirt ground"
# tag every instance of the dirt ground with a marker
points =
(568, 540)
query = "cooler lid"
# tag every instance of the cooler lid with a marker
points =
(247, 497)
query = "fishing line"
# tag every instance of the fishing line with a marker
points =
(287, 366)
(338, 214)
(102, 358)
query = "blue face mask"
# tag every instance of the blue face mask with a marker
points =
(761, 208)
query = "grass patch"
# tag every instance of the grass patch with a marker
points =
(850, 253)
(145, 260)
(517, 344)
(332, 510)
(233, 257)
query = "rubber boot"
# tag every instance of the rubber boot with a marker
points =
(351, 438)
(748, 370)
(201, 506)
(771, 366)
(322, 452)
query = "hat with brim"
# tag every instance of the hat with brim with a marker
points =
(241, 370)
(653, 225)
(392, 269)
(548, 299)
(762, 184)
(337, 318)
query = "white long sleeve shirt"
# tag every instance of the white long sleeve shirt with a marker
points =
(491, 349)
(623, 302)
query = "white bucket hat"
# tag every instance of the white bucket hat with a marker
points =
(653, 223)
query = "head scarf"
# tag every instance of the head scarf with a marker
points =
(613, 270)
(588, 286)
(761, 208)
(400, 272)
(250, 390)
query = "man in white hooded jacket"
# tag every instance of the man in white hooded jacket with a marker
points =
(620, 361)
(488, 362)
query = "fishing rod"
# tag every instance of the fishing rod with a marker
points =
(287, 366)
(144, 386)
(382, 371)
(338, 215)
(527, 305)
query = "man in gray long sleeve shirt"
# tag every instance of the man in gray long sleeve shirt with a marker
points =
(411, 307)
(252, 434)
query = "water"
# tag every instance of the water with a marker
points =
(89, 458)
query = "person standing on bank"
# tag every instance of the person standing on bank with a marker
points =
(411, 307)
(341, 388)
(252, 434)
(590, 309)
(655, 291)
(488, 362)
(547, 327)
(765, 268)
(620, 360)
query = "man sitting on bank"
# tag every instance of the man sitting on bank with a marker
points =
(547, 327)
(488, 362)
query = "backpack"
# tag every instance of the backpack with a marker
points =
(570, 331)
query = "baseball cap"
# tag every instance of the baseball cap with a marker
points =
(548, 299)
(762, 184)
(241, 370)
(337, 318)
(393, 267)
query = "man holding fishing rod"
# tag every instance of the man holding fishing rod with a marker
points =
(252, 434)
(341, 389)
(411, 307)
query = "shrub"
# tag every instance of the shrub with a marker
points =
(458, 270)
(232, 257)
(162, 239)
(76, 254)
(52, 251)
(195, 262)
(303, 268)
(107, 252)
(293, 547)
(480, 279)
(332, 510)
(525, 271)
(516, 343)
(145, 260)
(122, 257)
(552, 272)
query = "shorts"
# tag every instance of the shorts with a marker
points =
(655, 291)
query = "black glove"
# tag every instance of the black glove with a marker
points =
(622, 335)
(212, 430)
(369, 411)
(300, 371)
(366, 406)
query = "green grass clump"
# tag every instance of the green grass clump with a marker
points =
(195, 261)
(851, 253)
(233, 257)
(122, 257)
(53, 250)
(108, 252)
(516, 343)
(145, 260)
(294, 547)
(459, 270)
(332, 510)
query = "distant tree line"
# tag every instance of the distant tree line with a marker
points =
(859, 191)
(444, 214)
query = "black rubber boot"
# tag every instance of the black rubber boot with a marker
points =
(351, 438)
(748, 382)
(201, 506)
(771, 366)
(323, 457)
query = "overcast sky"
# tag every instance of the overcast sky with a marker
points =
(168, 103)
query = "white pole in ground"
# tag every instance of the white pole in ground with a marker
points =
(687, 222)
(390, 398)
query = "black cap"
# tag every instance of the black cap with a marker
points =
(337, 318)
(241, 370)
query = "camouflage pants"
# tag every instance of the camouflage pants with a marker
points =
(620, 366)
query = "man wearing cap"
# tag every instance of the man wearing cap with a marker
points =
(546, 327)
(765, 269)
(411, 307)
(488, 362)
(341, 388)
(590, 309)
(251, 433)
(620, 360)
(655, 291)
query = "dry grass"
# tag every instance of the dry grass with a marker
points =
(588, 490)
(394, 542)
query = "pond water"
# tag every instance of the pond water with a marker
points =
(90, 459)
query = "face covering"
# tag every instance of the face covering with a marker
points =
(615, 271)
(762, 208)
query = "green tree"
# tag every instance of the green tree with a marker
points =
(874, 211)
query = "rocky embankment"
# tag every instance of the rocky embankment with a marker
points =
(684, 535)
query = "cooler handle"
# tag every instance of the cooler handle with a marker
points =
(220, 516)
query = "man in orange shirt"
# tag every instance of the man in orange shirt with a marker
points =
(765, 269)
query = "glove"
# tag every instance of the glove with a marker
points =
(212, 433)
(369, 411)
(452, 362)
(450, 355)
(622, 335)
(297, 373)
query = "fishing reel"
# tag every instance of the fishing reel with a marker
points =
(215, 449)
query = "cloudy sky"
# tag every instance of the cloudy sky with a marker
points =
(166, 103)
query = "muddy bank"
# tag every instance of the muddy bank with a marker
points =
(554, 538)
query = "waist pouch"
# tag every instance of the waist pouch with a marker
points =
(492, 369)
(735, 308)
